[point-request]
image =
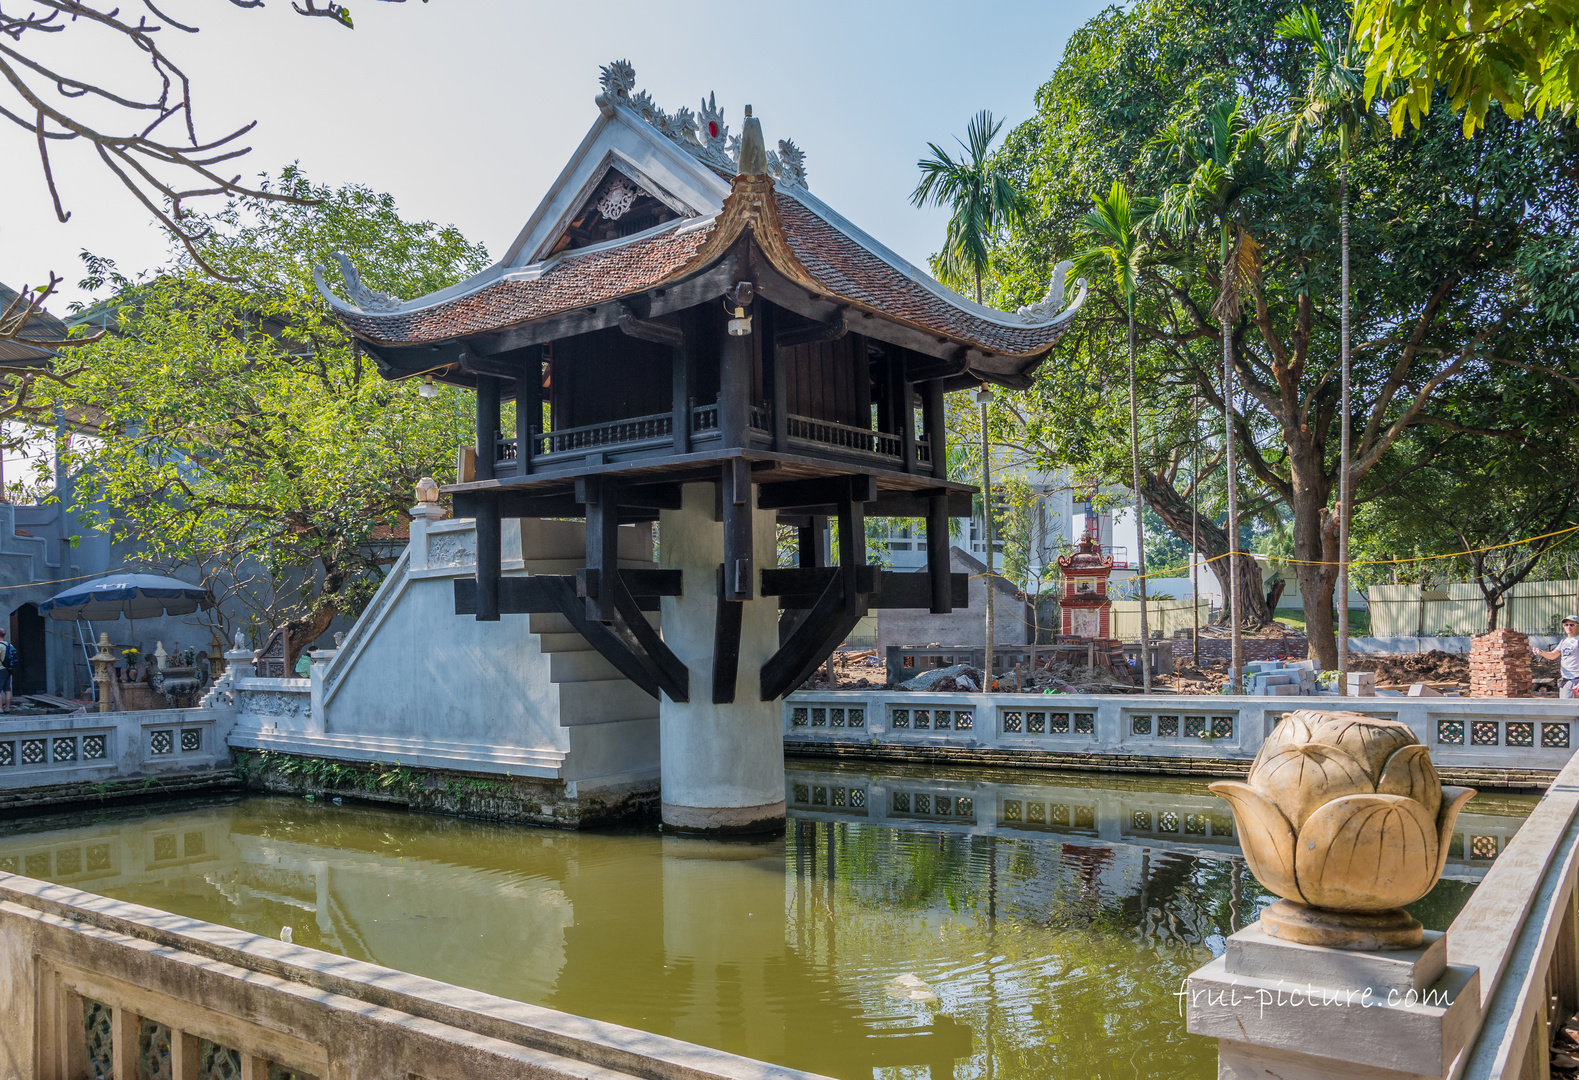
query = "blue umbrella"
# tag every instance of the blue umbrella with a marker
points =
(130, 596)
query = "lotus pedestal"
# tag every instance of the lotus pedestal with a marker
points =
(1370, 931)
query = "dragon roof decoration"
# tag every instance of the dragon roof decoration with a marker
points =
(702, 134)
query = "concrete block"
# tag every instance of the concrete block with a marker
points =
(1252, 952)
(1285, 690)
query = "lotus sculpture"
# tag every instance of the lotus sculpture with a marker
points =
(1345, 818)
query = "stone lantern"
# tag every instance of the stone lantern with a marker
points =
(103, 672)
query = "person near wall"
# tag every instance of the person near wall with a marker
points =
(1566, 650)
(7, 666)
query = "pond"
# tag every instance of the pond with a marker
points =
(909, 923)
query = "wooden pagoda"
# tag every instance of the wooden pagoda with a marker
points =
(681, 309)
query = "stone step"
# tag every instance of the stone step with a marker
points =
(603, 701)
(536, 565)
(576, 666)
(555, 624)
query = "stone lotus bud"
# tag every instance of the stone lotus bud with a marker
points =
(1344, 812)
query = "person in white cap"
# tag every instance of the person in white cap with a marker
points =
(1566, 650)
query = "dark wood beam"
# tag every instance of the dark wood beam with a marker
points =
(525, 595)
(666, 669)
(933, 422)
(832, 330)
(600, 496)
(487, 424)
(552, 593)
(852, 544)
(648, 330)
(938, 556)
(640, 583)
(799, 581)
(734, 382)
(726, 645)
(816, 491)
(824, 627)
(737, 512)
(528, 410)
(488, 569)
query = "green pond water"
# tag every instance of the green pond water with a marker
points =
(1053, 916)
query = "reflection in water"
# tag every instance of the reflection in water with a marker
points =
(1052, 916)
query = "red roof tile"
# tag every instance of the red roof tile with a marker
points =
(575, 282)
(849, 270)
(827, 257)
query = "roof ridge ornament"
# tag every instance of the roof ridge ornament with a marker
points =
(1051, 307)
(362, 297)
(703, 134)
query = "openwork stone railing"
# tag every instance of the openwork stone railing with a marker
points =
(95, 747)
(96, 987)
(1520, 929)
(1485, 741)
(843, 436)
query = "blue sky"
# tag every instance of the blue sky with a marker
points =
(465, 110)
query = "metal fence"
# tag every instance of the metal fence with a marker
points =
(1534, 607)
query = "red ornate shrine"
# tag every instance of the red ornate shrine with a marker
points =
(1087, 608)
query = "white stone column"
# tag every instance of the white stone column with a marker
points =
(723, 765)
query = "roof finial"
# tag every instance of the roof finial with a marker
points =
(753, 148)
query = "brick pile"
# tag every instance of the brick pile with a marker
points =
(1499, 665)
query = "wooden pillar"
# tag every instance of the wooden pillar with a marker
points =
(907, 416)
(812, 543)
(488, 557)
(938, 555)
(601, 497)
(680, 382)
(528, 412)
(778, 386)
(852, 539)
(737, 499)
(487, 424)
(734, 390)
(932, 421)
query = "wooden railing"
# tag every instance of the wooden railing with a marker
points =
(657, 427)
(825, 433)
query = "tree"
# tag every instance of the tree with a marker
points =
(1458, 248)
(1489, 505)
(129, 128)
(238, 424)
(1334, 107)
(1115, 226)
(1227, 165)
(983, 201)
(1521, 54)
(982, 198)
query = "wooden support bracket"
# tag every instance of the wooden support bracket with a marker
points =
(726, 645)
(824, 628)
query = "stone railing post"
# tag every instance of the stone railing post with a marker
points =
(425, 512)
(1336, 979)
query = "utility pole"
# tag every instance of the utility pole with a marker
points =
(984, 397)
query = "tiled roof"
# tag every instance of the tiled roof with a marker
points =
(574, 282)
(827, 257)
(849, 270)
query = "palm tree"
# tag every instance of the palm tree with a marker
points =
(1226, 166)
(984, 201)
(1334, 108)
(1115, 226)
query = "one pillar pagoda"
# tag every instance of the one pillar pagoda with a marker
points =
(690, 336)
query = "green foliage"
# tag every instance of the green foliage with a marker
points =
(1463, 289)
(238, 427)
(1521, 54)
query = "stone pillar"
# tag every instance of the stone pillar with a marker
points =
(723, 765)
(1499, 665)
